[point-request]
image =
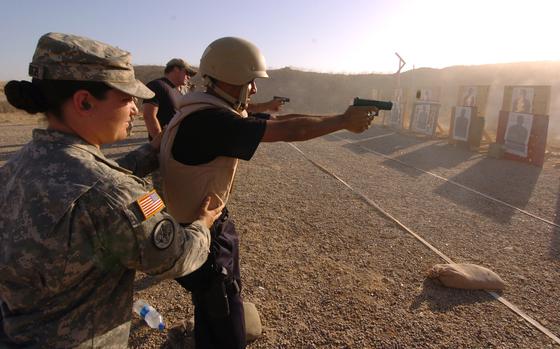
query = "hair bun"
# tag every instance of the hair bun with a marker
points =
(26, 96)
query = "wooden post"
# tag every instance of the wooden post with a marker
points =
(401, 65)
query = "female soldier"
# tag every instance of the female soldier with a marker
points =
(74, 225)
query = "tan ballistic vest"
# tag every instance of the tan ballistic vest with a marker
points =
(184, 186)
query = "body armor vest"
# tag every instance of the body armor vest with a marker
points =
(186, 186)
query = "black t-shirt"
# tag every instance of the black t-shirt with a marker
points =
(164, 90)
(209, 133)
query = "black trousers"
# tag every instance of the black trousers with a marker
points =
(218, 281)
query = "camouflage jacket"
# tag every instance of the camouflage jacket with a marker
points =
(72, 235)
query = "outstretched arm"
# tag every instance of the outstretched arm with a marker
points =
(297, 127)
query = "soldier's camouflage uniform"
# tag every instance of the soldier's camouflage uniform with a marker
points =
(72, 235)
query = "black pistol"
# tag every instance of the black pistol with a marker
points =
(283, 99)
(381, 105)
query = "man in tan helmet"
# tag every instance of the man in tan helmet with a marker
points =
(200, 151)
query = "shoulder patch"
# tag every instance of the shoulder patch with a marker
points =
(150, 204)
(163, 234)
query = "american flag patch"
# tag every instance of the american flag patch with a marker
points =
(150, 204)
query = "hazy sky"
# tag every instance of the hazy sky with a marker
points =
(349, 36)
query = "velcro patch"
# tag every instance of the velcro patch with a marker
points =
(163, 234)
(150, 204)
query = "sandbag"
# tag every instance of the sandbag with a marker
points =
(466, 276)
(253, 326)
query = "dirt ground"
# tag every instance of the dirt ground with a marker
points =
(326, 270)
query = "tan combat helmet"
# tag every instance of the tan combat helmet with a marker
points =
(235, 61)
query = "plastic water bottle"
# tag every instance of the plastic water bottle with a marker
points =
(149, 314)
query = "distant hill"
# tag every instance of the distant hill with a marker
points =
(147, 73)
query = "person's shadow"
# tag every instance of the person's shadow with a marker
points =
(520, 180)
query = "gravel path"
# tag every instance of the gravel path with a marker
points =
(326, 270)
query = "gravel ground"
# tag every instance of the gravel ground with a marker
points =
(327, 270)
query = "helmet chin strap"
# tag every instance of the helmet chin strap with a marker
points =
(244, 96)
(239, 103)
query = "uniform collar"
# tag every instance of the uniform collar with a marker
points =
(53, 136)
